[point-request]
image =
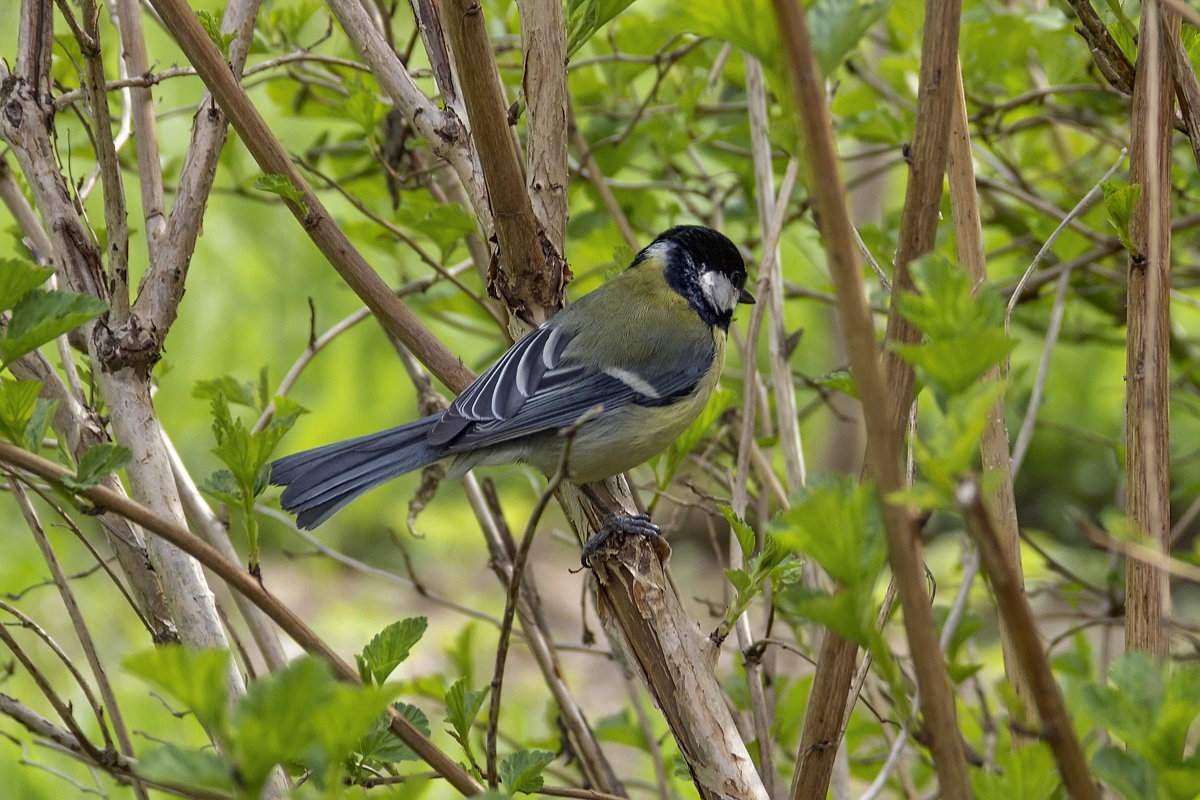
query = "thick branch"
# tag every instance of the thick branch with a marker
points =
(544, 40)
(532, 274)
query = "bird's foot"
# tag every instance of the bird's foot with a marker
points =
(628, 524)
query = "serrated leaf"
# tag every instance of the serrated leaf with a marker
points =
(173, 766)
(282, 186)
(1027, 773)
(380, 744)
(272, 723)
(196, 678)
(98, 461)
(1127, 773)
(18, 404)
(223, 486)
(40, 315)
(18, 277)
(741, 531)
(522, 771)
(585, 17)
(235, 391)
(839, 381)
(1119, 201)
(389, 648)
(462, 706)
(837, 26)
(444, 223)
(212, 26)
(362, 105)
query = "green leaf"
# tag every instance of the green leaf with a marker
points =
(41, 315)
(839, 381)
(1119, 200)
(835, 521)
(235, 391)
(196, 678)
(212, 26)
(389, 648)
(462, 706)
(18, 277)
(952, 365)
(98, 461)
(175, 766)
(585, 17)
(461, 652)
(362, 105)
(837, 26)
(273, 723)
(380, 744)
(18, 405)
(39, 422)
(1127, 773)
(222, 486)
(1027, 773)
(282, 186)
(522, 771)
(444, 223)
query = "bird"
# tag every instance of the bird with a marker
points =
(634, 362)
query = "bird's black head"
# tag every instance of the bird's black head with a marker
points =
(703, 266)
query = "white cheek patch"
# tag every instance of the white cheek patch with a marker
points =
(719, 291)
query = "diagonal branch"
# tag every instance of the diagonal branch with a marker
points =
(310, 212)
(242, 581)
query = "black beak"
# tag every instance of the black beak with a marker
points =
(746, 297)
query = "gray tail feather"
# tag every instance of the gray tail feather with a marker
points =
(322, 480)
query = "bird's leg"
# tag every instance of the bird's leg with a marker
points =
(615, 522)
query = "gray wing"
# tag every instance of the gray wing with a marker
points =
(528, 391)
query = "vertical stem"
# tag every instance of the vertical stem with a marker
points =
(1147, 360)
(994, 446)
(879, 404)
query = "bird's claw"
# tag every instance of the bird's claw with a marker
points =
(628, 524)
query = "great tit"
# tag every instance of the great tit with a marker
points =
(646, 348)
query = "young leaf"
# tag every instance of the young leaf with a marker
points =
(585, 17)
(212, 26)
(522, 771)
(462, 706)
(18, 277)
(837, 26)
(173, 765)
(18, 405)
(98, 461)
(235, 391)
(196, 678)
(1119, 200)
(389, 648)
(280, 185)
(274, 722)
(41, 315)
(380, 744)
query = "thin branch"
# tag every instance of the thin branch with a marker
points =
(244, 582)
(310, 212)
(1012, 604)
(519, 560)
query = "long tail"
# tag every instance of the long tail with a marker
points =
(322, 480)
